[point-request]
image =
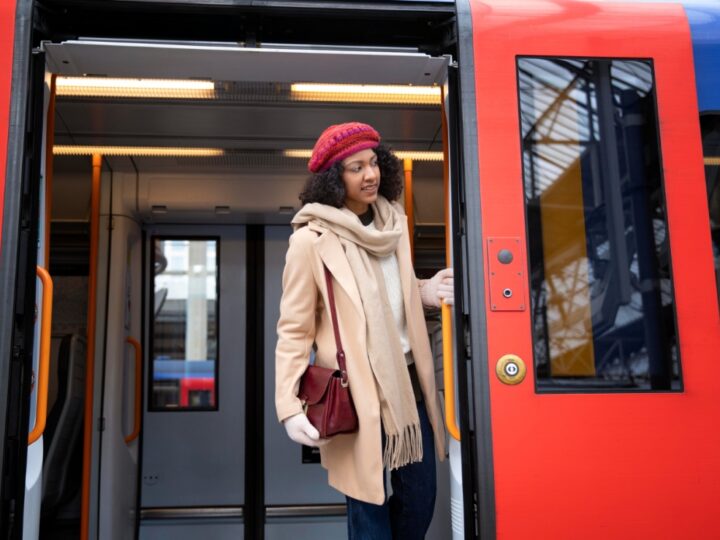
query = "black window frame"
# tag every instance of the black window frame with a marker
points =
(151, 306)
(541, 389)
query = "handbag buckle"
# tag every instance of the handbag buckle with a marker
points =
(344, 380)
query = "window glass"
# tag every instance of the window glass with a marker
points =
(603, 314)
(710, 125)
(185, 322)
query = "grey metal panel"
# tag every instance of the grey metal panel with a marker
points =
(117, 460)
(309, 528)
(192, 529)
(198, 456)
(287, 480)
(478, 373)
(218, 62)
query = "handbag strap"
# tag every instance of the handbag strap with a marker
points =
(340, 352)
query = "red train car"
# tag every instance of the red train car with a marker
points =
(561, 155)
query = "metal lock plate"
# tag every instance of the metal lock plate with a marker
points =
(510, 369)
(507, 274)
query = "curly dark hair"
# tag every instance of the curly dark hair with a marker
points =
(327, 187)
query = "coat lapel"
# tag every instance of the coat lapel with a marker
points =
(333, 255)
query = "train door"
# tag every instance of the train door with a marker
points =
(598, 288)
(26, 319)
(193, 456)
(40, 365)
(298, 502)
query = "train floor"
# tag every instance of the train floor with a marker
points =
(61, 530)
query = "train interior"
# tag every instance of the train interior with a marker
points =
(198, 183)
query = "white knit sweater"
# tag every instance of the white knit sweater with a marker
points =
(391, 273)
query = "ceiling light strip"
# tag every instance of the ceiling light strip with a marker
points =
(136, 88)
(149, 151)
(419, 155)
(366, 93)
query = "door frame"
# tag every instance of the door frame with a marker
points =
(20, 228)
(476, 425)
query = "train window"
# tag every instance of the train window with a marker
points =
(184, 338)
(603, 316)
(710, 127)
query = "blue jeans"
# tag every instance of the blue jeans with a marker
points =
(408, 512)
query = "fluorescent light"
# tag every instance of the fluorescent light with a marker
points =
(418, 155)
(303, 154)
(712, 160)
(366, 93)
(68, 150)
(135, 88)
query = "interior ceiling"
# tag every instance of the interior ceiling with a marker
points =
(251, 119)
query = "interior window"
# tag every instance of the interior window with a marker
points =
(603, 315)
(184, 326)
(710, 126)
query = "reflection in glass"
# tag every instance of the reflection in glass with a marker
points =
(710, 126)
(184, 333)
(602, 300)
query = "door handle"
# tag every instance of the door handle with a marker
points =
(44, 367)
(138, 389)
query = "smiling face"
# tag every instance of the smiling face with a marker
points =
(361, 176)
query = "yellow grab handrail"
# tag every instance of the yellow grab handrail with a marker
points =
(448, 373)
(44, 364)
(138, 389)
(447, 334)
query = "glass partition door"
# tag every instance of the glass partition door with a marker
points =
(184, 326)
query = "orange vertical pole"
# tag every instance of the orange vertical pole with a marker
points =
(409, 210)
(49, 143)
(90, 362)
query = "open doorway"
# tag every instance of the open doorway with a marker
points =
(237, 137)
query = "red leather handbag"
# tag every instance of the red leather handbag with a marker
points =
(325, 392)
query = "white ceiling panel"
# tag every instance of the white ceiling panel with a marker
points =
(236, 63)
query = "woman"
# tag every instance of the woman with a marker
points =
(351, 224)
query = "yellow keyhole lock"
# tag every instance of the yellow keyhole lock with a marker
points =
(510, 369)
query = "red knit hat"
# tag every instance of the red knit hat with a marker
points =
(340, 141)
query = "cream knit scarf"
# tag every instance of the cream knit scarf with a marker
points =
(398, 408)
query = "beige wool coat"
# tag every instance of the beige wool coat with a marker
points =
(354, 461)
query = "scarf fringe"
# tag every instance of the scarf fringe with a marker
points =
(403, 448)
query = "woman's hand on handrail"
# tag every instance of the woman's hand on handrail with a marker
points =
(438, 290)
(300, 430)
